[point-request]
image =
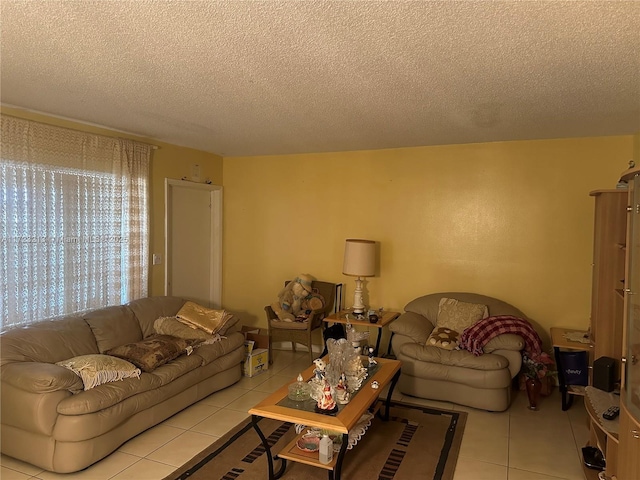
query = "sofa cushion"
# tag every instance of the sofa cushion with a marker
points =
(97, 369)
(456, 358)
(48, 341)
(113, 326)
(168, 372)
(108, 394)
(154, 351)
(412, 325)
(147, 310)
(37, 377)
(227, 344)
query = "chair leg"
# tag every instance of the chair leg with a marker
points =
(293, 346)
(270, 351)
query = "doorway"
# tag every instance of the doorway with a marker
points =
(193, 242)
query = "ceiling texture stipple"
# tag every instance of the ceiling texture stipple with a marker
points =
(242, 78)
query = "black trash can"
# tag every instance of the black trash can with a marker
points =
(575, 368)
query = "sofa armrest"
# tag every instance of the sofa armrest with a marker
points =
(412, 325)
(454, 358)
(37, 377)
(506, 341)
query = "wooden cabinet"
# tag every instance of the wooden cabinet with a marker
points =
(629, 435)
(607, 299)
(628, 447)
(607, 314)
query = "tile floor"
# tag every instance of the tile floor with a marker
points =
(518, 444)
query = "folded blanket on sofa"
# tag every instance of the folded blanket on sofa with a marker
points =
(478, 335)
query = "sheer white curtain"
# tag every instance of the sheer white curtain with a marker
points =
(73, 221)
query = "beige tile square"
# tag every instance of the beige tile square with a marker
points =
(143, 444)
(469, 469)
(515, 474)
(293, 368)
(8, 474)
(191, 416)
(182, 448)
(541, 426)
(224, 397)
(580, 434)
(220, 422)
(274, 383)
(485, 446)
(109, 467)
(247, 401)
(549, 406)
(483, 421)
(145, 470)
(19, 466)
(548, 454)
(249, 383)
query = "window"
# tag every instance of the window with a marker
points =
(73, 221)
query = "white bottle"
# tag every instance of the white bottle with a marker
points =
(326, 450)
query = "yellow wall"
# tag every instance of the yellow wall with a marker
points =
(512, 220)
(168, 161)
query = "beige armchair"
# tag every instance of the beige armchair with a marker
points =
(301, 332)
(457, 376)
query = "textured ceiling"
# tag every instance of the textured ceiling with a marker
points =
(273, 77)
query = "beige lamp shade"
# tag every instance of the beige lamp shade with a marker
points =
(359, 258)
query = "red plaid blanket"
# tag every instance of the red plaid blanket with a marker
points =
(478, 335)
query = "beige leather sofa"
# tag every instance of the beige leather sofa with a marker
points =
(457, 376)
(45, 424)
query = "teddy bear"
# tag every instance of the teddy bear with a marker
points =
(296, 300)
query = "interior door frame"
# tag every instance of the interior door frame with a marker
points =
(215, 267)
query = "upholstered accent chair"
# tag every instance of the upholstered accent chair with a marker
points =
(300, 332)
(433, 370)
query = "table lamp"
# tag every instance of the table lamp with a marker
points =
(359, 261)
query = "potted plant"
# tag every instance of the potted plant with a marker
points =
(537, 371)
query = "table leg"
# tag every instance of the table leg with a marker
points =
(389, 347)
(283, 462)
(378, 342)
(394, 380)
(565, 398)
(337, 470)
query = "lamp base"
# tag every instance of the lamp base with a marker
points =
(358, 305)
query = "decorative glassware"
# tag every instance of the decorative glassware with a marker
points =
(299, 390)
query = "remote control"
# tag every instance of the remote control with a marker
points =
(611, 413)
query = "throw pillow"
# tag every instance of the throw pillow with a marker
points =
(206, 319)
(458, 315)
(453, 317)
(152, 352)
(97, 369)
(443, 337)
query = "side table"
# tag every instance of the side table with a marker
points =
(560, 343)
(386, 318)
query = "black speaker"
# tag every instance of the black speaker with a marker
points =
(604, 373)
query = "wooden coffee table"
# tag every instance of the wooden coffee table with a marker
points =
(278, 406)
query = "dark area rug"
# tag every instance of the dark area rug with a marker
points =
(416, 442)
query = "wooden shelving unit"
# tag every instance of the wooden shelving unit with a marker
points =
(607, 307)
